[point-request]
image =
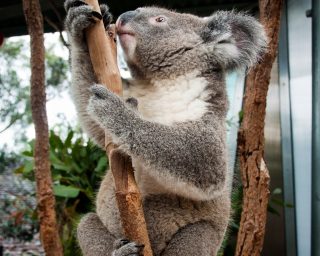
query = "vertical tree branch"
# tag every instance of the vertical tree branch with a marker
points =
(45, 197)
(254, 173)
(103, 55)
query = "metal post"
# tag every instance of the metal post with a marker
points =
(315, 218)
(286, 137)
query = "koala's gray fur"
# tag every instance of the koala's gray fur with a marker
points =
(173, 127)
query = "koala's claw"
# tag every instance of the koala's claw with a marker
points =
(99, 91)
(120, 242)
(80, 16)
(132, 102)
(106, 15)
(124, 247)
(97, 15)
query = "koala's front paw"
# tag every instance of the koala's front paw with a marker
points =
(106, 108)
(80, 16)
(124, 247)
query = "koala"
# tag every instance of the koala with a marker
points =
(171, 121)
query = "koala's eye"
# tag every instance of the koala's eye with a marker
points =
(160, 19)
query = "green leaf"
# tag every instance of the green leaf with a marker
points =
(240, 116)
(27, 153)
(56, 177)
(53, 157)
(19, 170)
(277, 191)
(28, 167)
(277, 202)
(76, 167)
(83, 152)
(102, 164)
(62, 167)
(288, 205)
(65, 191)
(273, 210)
(68, 140)
(55, 141)
(234, 225)
(57, 163)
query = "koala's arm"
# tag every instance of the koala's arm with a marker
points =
(82, 79)
(196, 239)
(79, 17)
(188, 158)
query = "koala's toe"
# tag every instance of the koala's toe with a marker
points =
(120, 242)
(128, 248)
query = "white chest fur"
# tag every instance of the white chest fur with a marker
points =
(171, 101)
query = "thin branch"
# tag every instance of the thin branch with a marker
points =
(56, 27)
(10, 124)
(45, 196)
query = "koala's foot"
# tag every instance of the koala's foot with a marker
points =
(124, 247)
(80, 16)
(93, 237)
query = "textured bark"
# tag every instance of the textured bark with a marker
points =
(254, 173)
(45, 197)
(103, 56)
(129, 200)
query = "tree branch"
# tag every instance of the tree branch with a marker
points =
(254, 173)
(45, 197)
(56, 27)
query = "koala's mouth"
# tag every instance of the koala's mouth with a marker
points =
(122, 32)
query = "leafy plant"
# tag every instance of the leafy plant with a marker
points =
(275, 200)
(77, 168)
(16, 209)
(229, 242)
(15, 88)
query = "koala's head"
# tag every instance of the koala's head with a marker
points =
(158, 42)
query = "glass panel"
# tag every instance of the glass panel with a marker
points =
(299, 35)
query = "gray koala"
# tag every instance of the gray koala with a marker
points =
(172, 125)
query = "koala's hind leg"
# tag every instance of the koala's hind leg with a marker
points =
(93, 237)
(95, 240)
(198, 239)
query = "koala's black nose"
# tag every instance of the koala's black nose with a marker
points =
(126, 17)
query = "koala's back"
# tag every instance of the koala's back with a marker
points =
(165, 214)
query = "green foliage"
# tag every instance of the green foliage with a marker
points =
(20, 222)
(240, 116)
(77, 168)
(229, 242)
(15, 108)
(8, 160)
(15, 83)
(276, 201)
(56, 69)
(17, 202)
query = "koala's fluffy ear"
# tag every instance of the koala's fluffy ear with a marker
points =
(237, 39)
